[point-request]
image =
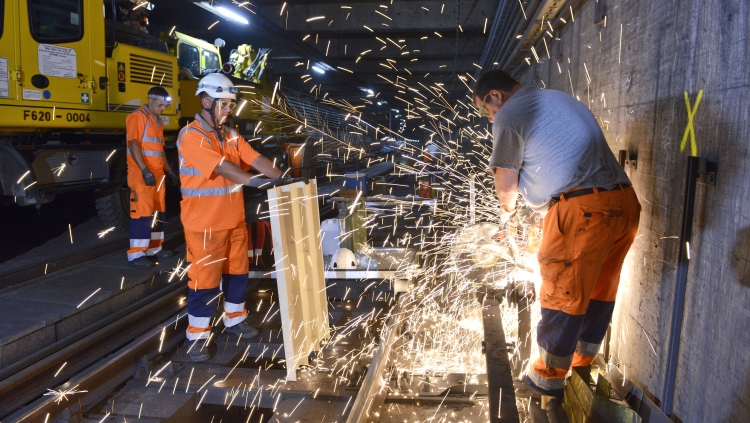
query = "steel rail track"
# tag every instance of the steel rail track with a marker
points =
(28, 379)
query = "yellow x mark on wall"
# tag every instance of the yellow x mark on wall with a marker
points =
(690, 129)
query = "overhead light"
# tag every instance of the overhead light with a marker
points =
(317, 69)
(231, 15)
(223, 12)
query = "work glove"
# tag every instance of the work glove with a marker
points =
(302, 179)
(265, 183)
(148, 177)
(527, 216)
(174, 178)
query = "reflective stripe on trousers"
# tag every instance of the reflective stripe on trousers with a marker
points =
(145, 240)
(201, 304)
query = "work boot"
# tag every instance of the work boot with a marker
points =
(551, 392)
(524, 391)
(142, 262)
(199, 351)
(165, 254)
(243, 330)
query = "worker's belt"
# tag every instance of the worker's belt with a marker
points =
(587, 191)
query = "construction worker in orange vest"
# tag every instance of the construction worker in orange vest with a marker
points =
(214, 160)
(147, 167)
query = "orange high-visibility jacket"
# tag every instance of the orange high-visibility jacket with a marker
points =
(210, 201)
(148, 130)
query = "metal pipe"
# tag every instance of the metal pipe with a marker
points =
(694, 167)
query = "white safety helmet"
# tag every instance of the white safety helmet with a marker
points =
(343, 259)
(217, 85)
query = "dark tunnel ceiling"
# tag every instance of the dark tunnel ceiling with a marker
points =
(427, 42)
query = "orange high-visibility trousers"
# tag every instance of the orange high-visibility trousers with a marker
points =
(216, 256)
(584, 243)
(146, 229)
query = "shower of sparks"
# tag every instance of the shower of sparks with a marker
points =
(105, 232)
(62, 395)
(619, 47)
(87, 298)
(23, 176)
(524, 10)
(441, 329)
(60, 369)
(59, 169)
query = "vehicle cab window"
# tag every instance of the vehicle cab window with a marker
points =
(189, 58)
(212, 60)
(59, 21)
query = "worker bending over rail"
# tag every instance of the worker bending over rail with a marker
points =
(147, 166)
(214, 160)
(549, 147)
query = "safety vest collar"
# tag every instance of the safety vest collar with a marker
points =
(204, 124)
(150, 114)
(209, 129)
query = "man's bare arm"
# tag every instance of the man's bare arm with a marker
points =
(506, 188)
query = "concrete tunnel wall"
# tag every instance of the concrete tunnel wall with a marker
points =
(636, 91)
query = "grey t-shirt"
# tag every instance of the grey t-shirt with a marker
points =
(554, 143)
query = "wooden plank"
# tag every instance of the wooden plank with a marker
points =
(276, 200)
(318, 283)
(300, 273)
(295, 227)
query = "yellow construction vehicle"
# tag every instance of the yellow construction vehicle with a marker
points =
(69, 77)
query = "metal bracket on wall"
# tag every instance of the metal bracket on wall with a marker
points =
(707, 172)
(600, 14)
(627, 159)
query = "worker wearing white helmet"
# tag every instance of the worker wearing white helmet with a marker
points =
(214, 165)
